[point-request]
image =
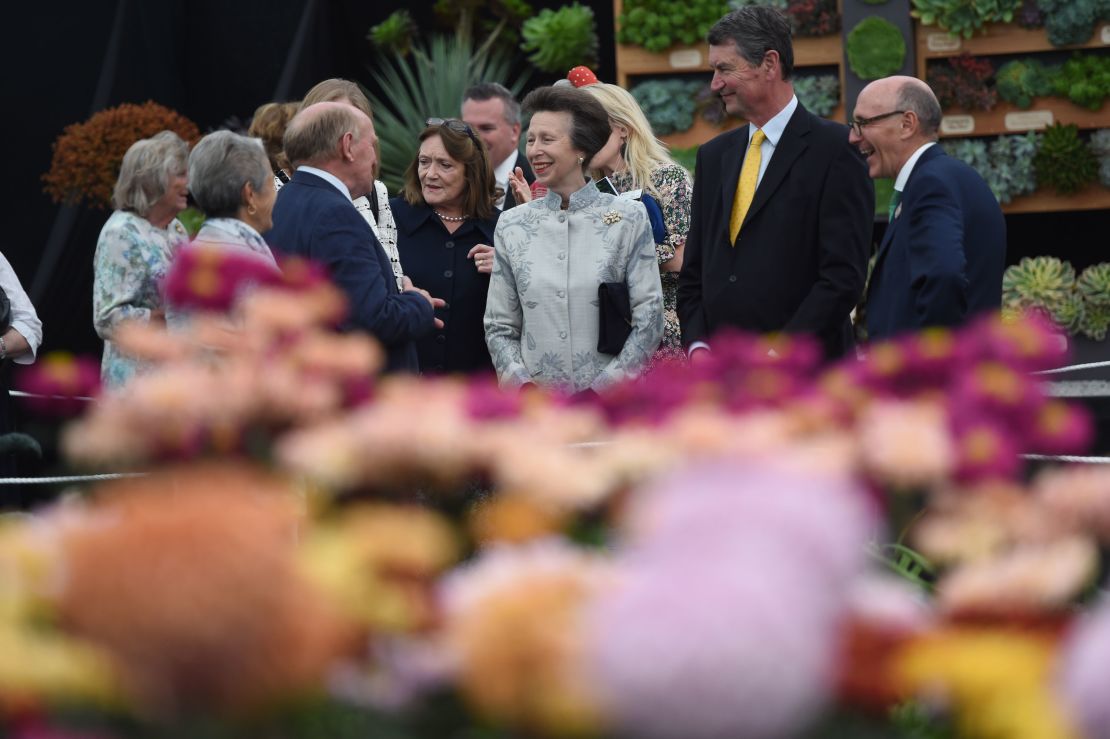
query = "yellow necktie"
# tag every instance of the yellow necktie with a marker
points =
(745, 188)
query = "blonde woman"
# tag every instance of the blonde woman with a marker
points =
(633, 159)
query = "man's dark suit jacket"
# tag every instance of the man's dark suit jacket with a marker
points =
(312, 219)
(510, 200)
(942, 256)
(800, 260)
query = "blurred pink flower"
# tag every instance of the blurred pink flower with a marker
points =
(58, 380)
(906, 444)
(212, 278)
(1083, 672)
(986, 451)
(1030, 343)
(1060, 427)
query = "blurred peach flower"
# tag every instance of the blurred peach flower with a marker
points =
(1078, 496)
(906, 444)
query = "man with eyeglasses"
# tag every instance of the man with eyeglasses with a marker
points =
(492, 111)
(782, 209)
(941, 259)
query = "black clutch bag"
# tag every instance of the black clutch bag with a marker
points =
(5, 312)
(614, 310)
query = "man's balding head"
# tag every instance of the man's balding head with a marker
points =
(314, 135)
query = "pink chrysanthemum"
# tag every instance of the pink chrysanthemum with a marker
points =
(211, 278)
(59, 381)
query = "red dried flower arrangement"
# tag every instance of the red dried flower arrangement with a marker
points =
(87, 155)
(813, 17)
(964, 82)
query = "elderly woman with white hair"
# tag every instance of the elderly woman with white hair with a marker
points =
(137, 245)
(229, 176)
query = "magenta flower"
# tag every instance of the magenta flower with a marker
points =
(985, 451)
(211, 278)
(1060, 427)
(58, 381)
(1028, 344)
(993, 389)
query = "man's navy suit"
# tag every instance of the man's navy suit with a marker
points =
(943, 254)
(312, 219)
(800, 260)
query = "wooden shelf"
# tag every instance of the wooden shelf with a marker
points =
(1093, 197)
(995, 38)
(703, 131)
(1006, 118)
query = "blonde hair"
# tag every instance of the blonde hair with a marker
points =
(643, 153)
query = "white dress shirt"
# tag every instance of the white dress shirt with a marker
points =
(24, 318)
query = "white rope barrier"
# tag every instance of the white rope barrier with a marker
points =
(68, 478)
(22, 394)
(1065, 458)
(1073, 368)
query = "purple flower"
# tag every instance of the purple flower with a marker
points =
(1084, 672)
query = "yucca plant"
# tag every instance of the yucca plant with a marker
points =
(1094, 285)
(428, 84)
(1044, 284)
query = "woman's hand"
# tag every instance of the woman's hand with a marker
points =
(482, 254)
(522, 191)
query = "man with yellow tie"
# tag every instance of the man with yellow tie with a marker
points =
(783, 208)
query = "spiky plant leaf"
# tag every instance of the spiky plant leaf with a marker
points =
(1063, 161)
(428, 84)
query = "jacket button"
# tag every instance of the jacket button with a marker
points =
(562, 334)
(450, 244)
(449, 273)
(562, 255)
(440, 338)
(561, 293)
(732, 278)
(562, 217)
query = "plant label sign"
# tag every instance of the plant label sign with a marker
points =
(685, 59)
(1028, 120)
(943, 41)
(955, 125)
(1104, 35)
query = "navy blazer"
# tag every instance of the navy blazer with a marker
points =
(800, 260)
(312, 219)
(942, 256)
(510, 199)
(435, 259)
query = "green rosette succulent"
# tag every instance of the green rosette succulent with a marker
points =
(1070, 22)
(1100, 147)
(1063, 161)
(819, 94)
(1006, 163)
(875, 48)
(1021, 80)
(1046, 284)
(557, 40)
(669, 104)
(1093, 285)
(964, 17)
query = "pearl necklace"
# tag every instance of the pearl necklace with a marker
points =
(450, 219)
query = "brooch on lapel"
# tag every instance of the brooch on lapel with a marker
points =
(611, 217)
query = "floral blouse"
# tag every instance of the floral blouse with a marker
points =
(132, 257)
(541, 319)
(675, 191)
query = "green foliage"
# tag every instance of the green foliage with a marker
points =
(557, 40)
(1045, 284)
(875, 48)
(668, 104)
(658, 24)
(687, 157)
(494, 21)
(1006, 163)
(429, 83)
(1063, 162)
(1100, 147)
(884, 191)
(964, 17)
(1021, 80)
(820, 94)
(192, 219)
(1094, 285)
(394, 35)
(1070, 22)
(1085, 80)
(912, 720)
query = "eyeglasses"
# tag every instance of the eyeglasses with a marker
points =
(857, 124)
(455, 125)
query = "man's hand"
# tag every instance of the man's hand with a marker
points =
(406, 283)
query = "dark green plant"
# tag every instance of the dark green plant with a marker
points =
(1094, 285)
(1030, 16)
(1063, 162)
(395, 34)
(875, 48)
(687, 157)
(1100, 147)
(820, 94)
(1070, 22)
(557, 40)
(1085, 80)
(963, 81)
(429, 83)
(964, 17)
(658, 24)
(1044, 284)
(1006, 163)
(668, 104)
(1021, 80)
(495, 22)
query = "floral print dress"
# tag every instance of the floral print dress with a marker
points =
(675, 189)
(131, 260)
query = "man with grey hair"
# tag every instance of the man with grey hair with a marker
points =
(332, 147)
(782, 212)
(494, 114)
(941, 259)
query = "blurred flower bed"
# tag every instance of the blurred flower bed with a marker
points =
(757, 546)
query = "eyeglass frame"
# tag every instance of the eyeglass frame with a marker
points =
(857, 124)
(454, 124)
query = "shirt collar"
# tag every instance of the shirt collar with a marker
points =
(907, 168)
(502, 171)
(578, 200)
(773, 128)
(324, 175)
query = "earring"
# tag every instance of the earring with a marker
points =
(251, 210)
(581, 160)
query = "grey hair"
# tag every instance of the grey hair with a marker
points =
(917, 96)
(221, 163)
(490, 90)
(146, 171)
(314, 138)
(756, 29)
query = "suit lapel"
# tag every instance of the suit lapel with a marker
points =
(888, 235)
(791, 145)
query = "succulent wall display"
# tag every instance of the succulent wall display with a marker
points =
(1094, 285)
(875, 48)
(1100, 147)
(963, 81)
(557, 40)
(1006, 163)
(1044, 284)
(1085, 80)
(668, 104)
(965, 17)
(813, 17)
(658, 24)
(1021, 80)
(1069, 22)
(1063, 161)
(1030, 15)
(820, 94)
